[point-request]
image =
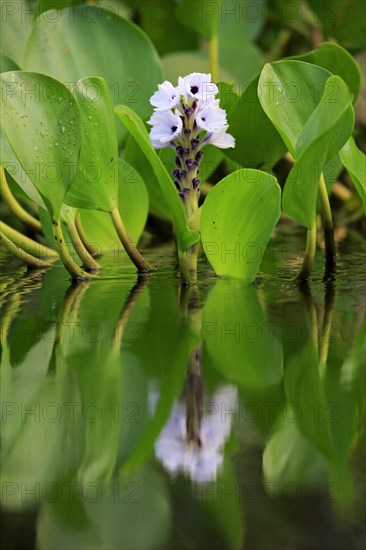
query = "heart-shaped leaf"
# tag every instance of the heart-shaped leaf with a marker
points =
(133, 204)
(185, 236)
(257, 140)
(312, 111)
(237, 219)
(90, 41)
(354, 161)
(40, 120)
(16, 20)
(338, 61)
(96, 180)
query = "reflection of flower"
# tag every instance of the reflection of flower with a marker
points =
(200, 460)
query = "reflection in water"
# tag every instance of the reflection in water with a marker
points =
(121, 399)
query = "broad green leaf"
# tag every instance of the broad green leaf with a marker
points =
(115, 6)
(201, 16)
(16, 18)
(323, 135)
(237, 219)
(185, 236)
(96, 180)
(312, 111)
(289, 91)
(354, 161)
(89, 41)
(257, 140)
(236, 333)
(338, 61)
(133, 204)
(157, 17)
(16, 175)
(7, 64)
(182, 63)
(41, 122)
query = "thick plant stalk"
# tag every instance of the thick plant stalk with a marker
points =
(129, 246)
(75, 271)
(30, 260)
(330, 246)
(15, 207)
(27, 244)
(214, 58)
(93, 250)
(308, 262)
(85, 257)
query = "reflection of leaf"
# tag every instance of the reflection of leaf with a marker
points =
(290, 458)
(304, 389)
(132, 501)
(238, 338)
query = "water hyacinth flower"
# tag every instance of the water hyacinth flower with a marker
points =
(200, 457)
(187, 118)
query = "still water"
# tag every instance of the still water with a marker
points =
(137, 414)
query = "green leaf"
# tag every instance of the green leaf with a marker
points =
(322, 136)
(7, 64)
(354, 161)
(16, 18)
(157, 18)
(17, 178)
(257, 140)
(236, 337)
(312, 111)
(338, 61)
(201, 16)
(133, 204)
(182, 63)
(185, 236)
(237, 219)
(41, 123)
(89, 41)
(96, 180)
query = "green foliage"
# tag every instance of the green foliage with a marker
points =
(41, 122)
(354, 161)
(96, 180)
(312, 110)
(80, 41)
(237, 219)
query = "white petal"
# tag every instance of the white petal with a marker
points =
(166, 97)
(197, 85)
(165, 127)
(220, 139)
(211, 117)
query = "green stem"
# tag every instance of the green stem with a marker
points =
(129, 246)
(93, 250)
(30, 260)
(188, 264)
(86, 258)
(27, 244)
(330, 246)
(308, 262)
(75, 271)
(15, 207)
(214, 58)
